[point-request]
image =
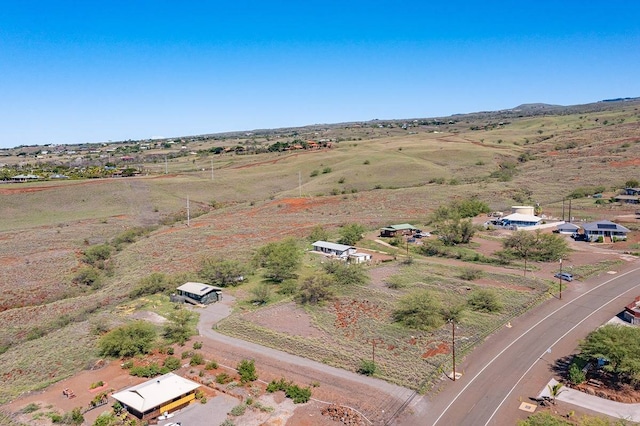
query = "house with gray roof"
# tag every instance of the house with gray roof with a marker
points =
(401, 229)
(341, 251)
(605, 229)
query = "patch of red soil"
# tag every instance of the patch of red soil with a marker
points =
(440, 349)
(626, 163)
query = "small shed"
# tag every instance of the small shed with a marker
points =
(199, 293)
(521, 220)
(360, 257)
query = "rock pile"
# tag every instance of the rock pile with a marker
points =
(344, 415)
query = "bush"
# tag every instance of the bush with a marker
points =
(470, 274)
(247, 371)
(172, 363)
(576, 375)
(150, 370)
(367, 367)
(128, 340)
(153, 284)
(484, 301)
(197, 359)
(197, 345)
(211, 365)
(97, 255)
(88, 276)
(238, 410)
(419, 310)
(30, 408)
(296, 393)
(223, 378)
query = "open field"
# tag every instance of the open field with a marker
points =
(372, 176)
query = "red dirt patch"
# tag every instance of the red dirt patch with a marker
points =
(440, 349)
(626, 163)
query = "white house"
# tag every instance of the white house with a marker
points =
(162, 394)
(520, 220)
(567, 228)
(333, 249)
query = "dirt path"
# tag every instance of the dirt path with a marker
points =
(375, 398)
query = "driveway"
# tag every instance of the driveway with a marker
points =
(380, 398)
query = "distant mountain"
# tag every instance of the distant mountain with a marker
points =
(536, 107)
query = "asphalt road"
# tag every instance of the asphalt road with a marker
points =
(516, 363)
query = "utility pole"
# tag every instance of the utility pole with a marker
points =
(560, 279)
(453, 347)
(188, 213)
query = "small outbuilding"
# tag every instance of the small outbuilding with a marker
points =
(163, 394)
(198, 293)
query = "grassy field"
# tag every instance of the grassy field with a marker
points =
(373, 176)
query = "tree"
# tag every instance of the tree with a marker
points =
(419, 310)
(222, 272)
(247, 371)
(88, 276)
(619, 346)
(346, 274)
(157, 282)
(179, 327)
(455, 230)
(484, 300)
(535, 245)
(261, 294)
(555, 391)
(316, 289)
(280, 259)
(544, 418)
(318, 233)
(351, 234)
(632, 183)
(128, 340)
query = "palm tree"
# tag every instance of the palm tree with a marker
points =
(554, 391)
(453, 314)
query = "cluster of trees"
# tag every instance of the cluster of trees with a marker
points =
(140, 337)
(529, 245)
(423, 310)
(452, 222)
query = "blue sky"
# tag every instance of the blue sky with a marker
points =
(94, 71)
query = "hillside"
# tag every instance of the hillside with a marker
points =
(372, 173)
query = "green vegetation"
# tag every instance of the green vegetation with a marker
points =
(132, 339)
(222, 272)
(247, 371)
(296, 393)
(316, 289)
(419, 310)
(350, 234)
(367, 367)
(280, 259)
(172, 363)
(484, 300)
(180, 327)
(619, 346)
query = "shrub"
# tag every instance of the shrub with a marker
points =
(228, 422)
(128, 340)
(470, 274)
(314, 173)
(367, 367)
(238, 410)
(197, 345)
(223, 378)
(197, 359)
(153, 284)
(97, 255)
(96, 384)
(484, 301)
(576, 375)
(297, 394)
(326, 170)
(172, 363)
(150, 370)
(30, 408)
(247, 371)
(211, 365)
(88, 276)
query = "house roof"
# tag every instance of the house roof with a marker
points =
(331, 246)
(155, 392)
(519, 217)
(604, 225)
(402, 226)
(568, 226)
(198, 288)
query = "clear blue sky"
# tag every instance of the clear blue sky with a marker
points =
(94, 71)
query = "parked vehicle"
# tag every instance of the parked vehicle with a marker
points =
(564, 276)
(579, 237)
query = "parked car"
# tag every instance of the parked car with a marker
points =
(564, 276)
(579, 237)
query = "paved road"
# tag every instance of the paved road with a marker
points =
(515, 363)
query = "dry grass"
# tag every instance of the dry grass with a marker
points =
(46, 226)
